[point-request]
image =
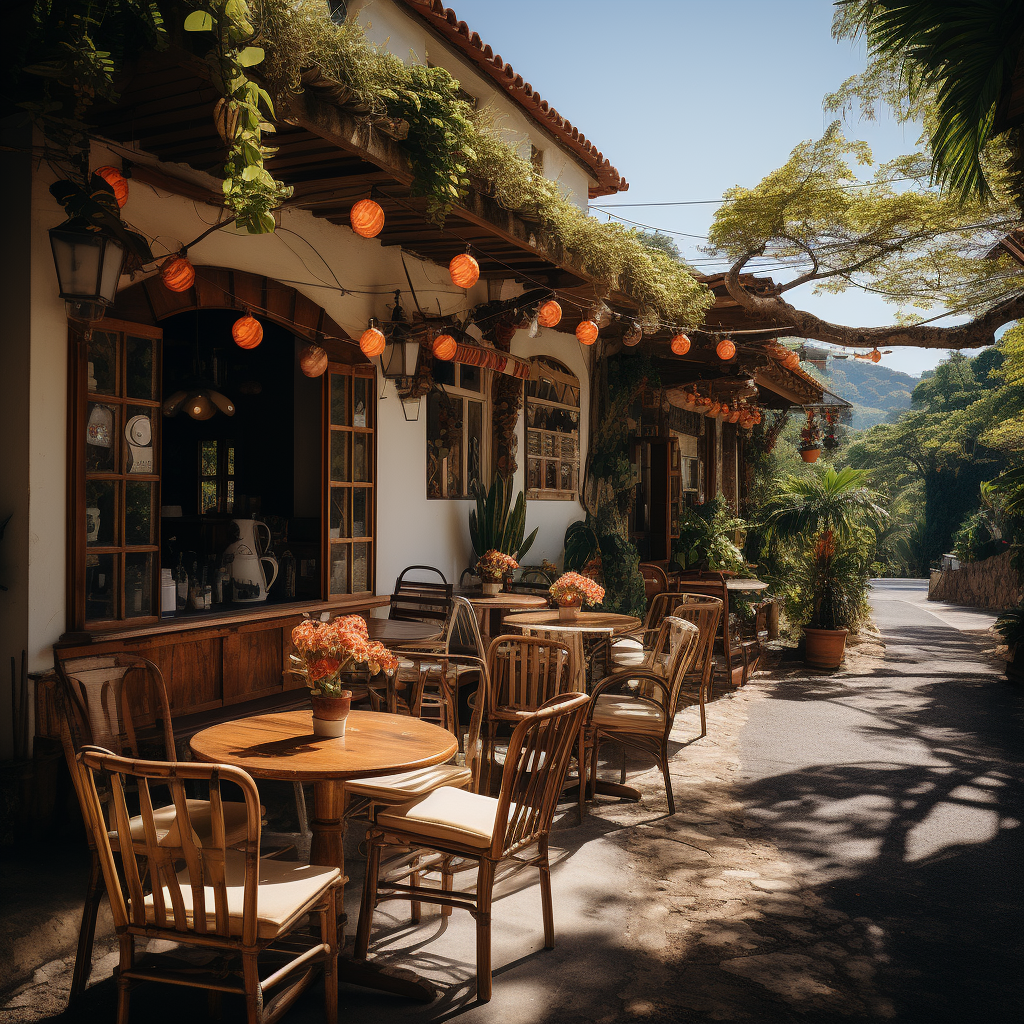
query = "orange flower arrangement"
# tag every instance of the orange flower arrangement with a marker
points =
(326, 649)
(493, 565)
(572, 588)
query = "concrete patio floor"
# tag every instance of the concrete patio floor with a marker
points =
(776, 893)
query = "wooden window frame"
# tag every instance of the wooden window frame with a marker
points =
(221, 478)
(544, 366)
(463, 394)
(78, 548)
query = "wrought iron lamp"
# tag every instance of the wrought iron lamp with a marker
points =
(88, 270)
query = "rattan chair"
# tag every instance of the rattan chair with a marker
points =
(655, 580)
(637, 706)
(473, 827)
(174, 886)
(421, 600)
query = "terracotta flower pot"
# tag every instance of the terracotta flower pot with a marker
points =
(568, 611)
(825, 648)
(491, 588)
(330, 714)
(810, 454)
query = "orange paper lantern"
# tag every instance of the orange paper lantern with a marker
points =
(549, 314)
(366, 218)
(726, 349)
(371, 343)
(680, 345)
(715, 407)
(247, 331)
(875, 356)
(586, 332)
(117, 181)
(177, 274)
(734, 415)
(313, 361)
(444, 347)
(792, 360)
(465, 270)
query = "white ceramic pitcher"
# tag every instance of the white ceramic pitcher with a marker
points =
(244, 558)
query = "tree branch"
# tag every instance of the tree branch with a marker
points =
(774, 311)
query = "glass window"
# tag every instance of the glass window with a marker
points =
(216, 476)
(552, 431)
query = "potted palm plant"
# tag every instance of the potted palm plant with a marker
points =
(836, 583)
(1010, 625)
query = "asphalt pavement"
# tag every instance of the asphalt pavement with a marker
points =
(897, 791)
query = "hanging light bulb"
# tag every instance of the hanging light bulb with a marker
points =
(586, 332)
(726, 349)
(680, 344)
(549, 314)
(534, 328)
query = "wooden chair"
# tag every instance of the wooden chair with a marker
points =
(655, 580)
(637, 706)
(203, 892)
(110, 701)
(705, 613)
(714, 584)
(484, 829)
(752, 647)
(421, 601)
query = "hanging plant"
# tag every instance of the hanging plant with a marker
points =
(242, 116)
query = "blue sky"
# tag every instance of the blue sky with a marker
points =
(688, 98)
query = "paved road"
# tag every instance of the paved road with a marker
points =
(898, 791)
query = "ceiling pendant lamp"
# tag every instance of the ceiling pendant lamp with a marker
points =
(247, 331)
(464, 270)
(371, 341)
(725, 349)
(549, 314)
(366, 218)
(680, 344)
(586, 332)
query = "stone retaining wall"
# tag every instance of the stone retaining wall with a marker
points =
(993, 584)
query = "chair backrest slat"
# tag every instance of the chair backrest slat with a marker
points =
(131, 867)
(421, 601)
(527, 671)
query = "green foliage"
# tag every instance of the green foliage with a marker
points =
(874, 390)
(496, 525)
(95, 209)
(704, 541)
(1010, 625)
(832, 584)
(581, 546)
(974, 540)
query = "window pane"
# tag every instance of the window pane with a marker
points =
(443, 373)
(100, 513)
(140, 369)
(339, 455)
(360, 567)
(339, 512)
(470, 378)
(361, 457)
(533, 442)
(207, 497)
(533, 474)
(101, 438)
(340, 400)
(444, 446)
(100, 585)
(231, 459)
(566, 480)
(360, 510)
(101, 370)
(547, 444)
(339, 569)
(207, 458)
(551, 475)
(138, 440)
(138, 512)
(138, 584)
(475, 443)
(229, 504)
(361, 404)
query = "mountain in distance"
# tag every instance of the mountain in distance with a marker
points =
(876, 392)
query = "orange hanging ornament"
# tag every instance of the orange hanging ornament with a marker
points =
(247, 331)
(586, 332)
(465, 270)
(549, 314)
(875, 356)
(680, 345)
(313, 361)
(725, 349)
(366, 218)
(117, 181)
(177, 274)
(444, 347)
(371, 343)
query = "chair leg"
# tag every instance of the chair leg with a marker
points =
(668, 782)
(415, 907)
(253, 989)
(545, 895)
(581, 771)
(622, 773)
(87, 932)
(329, 936)
(300, 809)
(369, 900)
(124, 984)
(447, 883)
(484, 885)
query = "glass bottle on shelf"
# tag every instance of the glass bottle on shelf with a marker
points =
(180, 585)
(288, 575)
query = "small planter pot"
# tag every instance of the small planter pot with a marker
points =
(568, 611)
(330, 714)
(810, 454)
(825, 648)
(491, 588)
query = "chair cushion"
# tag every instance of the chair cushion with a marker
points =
(405, 786)
(446, 814)
(286, 890)
(627, 714)
(165, 821)
(629, 657)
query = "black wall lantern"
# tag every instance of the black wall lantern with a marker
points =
(88, 270)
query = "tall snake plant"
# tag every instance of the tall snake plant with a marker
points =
(496, 525)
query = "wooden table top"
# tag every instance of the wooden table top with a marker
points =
(503, 600)
(585, 622)
(282, 746)
(749, 586)
(396, 631)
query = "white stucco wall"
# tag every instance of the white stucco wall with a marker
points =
(390, 25)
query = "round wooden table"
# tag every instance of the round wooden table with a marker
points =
(489, 610)
(741, 586)
(609, 623)
(282, 746)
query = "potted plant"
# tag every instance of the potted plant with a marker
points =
(492, 568)
(326, 651)
(835, 582)
(810, 439)
(1010, 625)
(570, 591)
(496, 525)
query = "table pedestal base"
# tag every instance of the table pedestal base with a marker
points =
(397, 980)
